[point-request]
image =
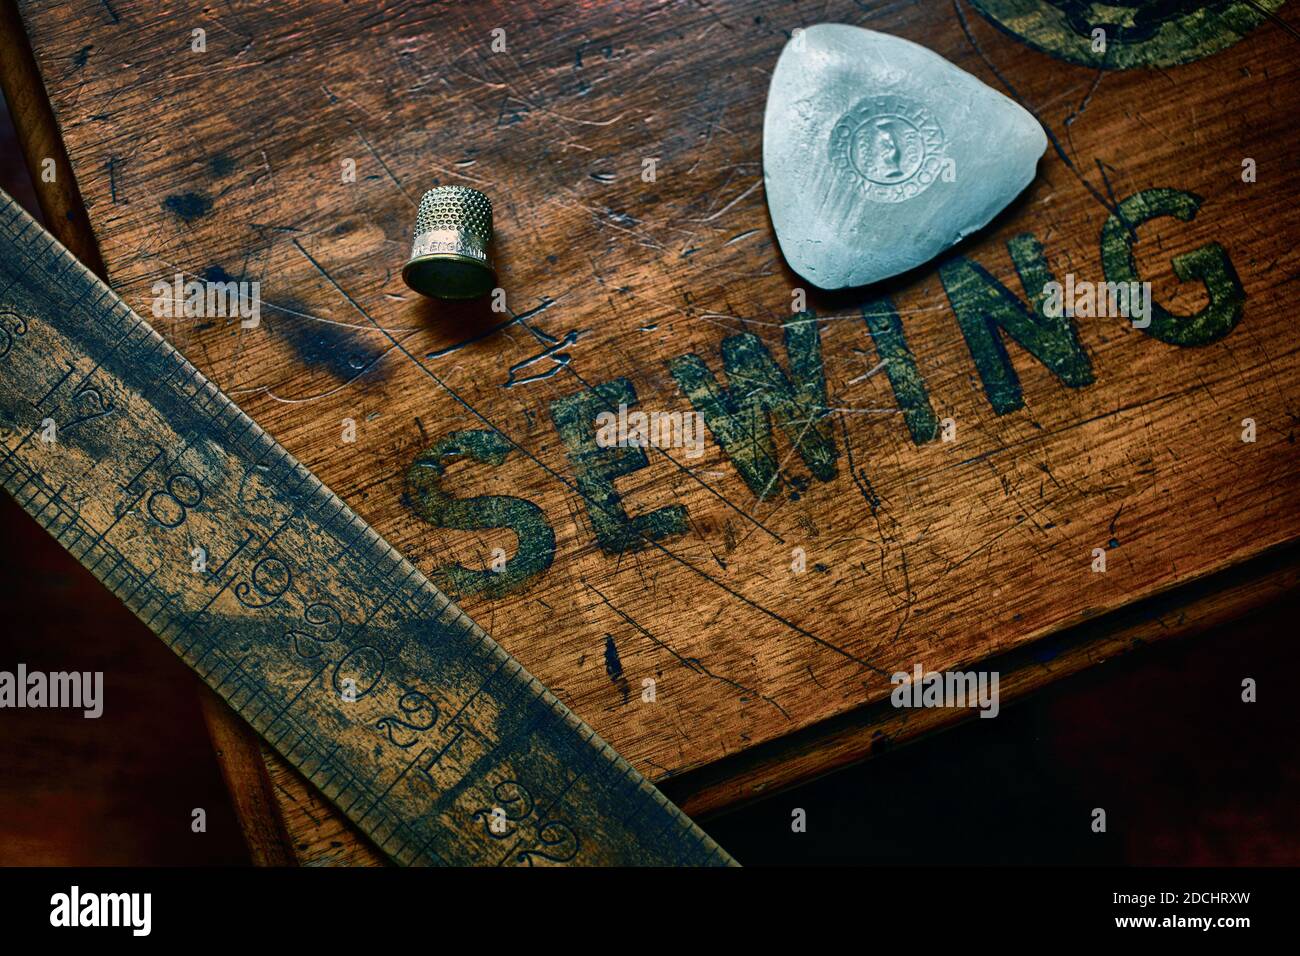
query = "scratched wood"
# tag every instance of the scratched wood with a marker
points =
(228, 164)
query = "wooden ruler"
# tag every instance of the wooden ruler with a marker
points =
(342, 655)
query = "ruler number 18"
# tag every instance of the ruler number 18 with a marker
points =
(170, 505)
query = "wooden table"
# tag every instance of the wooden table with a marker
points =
(925, 472)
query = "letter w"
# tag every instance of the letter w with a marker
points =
(740, 415)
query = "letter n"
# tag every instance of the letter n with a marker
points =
(984, 306)
(909, 388)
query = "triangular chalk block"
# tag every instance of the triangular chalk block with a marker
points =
(878, 154)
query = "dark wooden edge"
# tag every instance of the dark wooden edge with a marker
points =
(237, 747)
(1187, 608)
(240, 755)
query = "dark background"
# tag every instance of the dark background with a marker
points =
(1188, 774)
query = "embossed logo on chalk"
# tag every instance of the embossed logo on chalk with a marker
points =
(891, 145)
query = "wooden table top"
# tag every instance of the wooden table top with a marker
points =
(925, 472)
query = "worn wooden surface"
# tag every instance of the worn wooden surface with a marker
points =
(228, 163)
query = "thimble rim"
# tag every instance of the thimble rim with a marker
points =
(448, 275)
(456, 187)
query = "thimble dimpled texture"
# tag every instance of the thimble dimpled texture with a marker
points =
(456, 208)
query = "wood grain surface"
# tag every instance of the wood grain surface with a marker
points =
(671, 295)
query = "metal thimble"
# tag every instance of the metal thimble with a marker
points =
(449, 257)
